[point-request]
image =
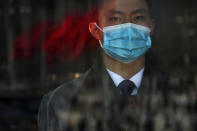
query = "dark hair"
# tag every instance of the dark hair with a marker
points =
(149, 4)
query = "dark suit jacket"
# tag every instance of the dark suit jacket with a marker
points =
(92, 103)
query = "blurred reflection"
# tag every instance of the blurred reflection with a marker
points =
(67, 40)
(47, 43)
(122, 91)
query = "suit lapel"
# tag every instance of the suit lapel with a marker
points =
(99, 77)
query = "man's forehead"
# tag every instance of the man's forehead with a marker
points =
(124, 5)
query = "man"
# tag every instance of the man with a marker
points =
(120, 12)
(117, 94)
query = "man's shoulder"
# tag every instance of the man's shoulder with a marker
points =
(67, 90)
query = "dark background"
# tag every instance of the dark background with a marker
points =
(23, 82)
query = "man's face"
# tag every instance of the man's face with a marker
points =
(115, 12)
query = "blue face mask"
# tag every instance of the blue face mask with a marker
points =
(126, 42)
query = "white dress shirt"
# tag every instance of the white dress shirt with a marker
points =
(136, 79)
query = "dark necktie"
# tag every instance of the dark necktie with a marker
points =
(126, 87)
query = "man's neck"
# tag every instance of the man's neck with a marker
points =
(124, 70)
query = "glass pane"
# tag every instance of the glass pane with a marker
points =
(66, 53)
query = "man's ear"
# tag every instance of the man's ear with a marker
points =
(95, 31)
(152, 26)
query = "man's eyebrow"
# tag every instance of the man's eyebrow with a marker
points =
(140, 11)
(116, 12)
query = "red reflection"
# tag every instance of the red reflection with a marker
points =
(67, 41)
(27, 44)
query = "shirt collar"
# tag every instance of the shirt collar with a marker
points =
(136, 79)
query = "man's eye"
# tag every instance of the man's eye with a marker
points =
(115, 19)
(138, 18)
